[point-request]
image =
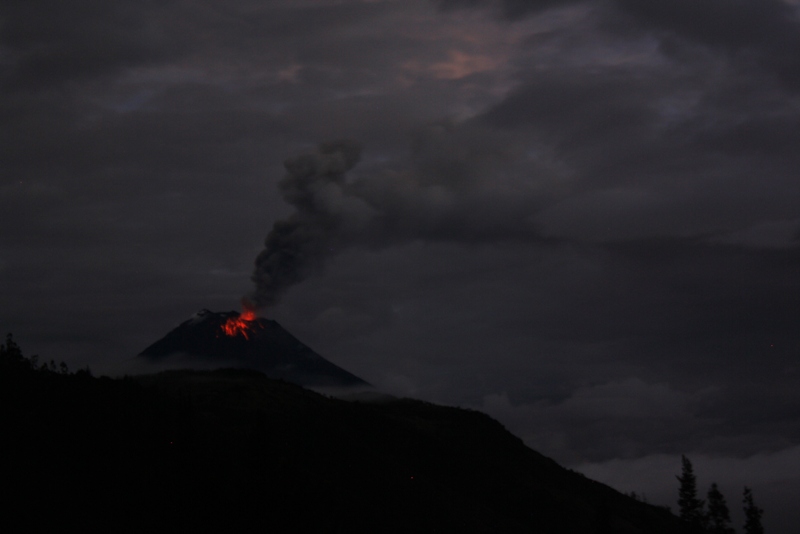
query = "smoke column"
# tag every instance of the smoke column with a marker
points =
(460, 185)
(298, 246)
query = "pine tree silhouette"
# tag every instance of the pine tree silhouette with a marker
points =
(691, 508)
(11, 357)
(752, 514)
(719, 517)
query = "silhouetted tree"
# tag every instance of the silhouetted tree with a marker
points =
(719, 517)
(752, 514)
(12, 359)
(11, 356)
(691, 508)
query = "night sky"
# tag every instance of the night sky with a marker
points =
(582, 218)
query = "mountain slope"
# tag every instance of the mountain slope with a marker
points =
(396, 466)
(232, 450)
(266, 346)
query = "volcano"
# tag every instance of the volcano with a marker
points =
(230, 339)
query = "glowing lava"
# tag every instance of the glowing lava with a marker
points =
(240, 326)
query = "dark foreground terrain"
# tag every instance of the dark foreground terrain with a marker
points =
(232, 451)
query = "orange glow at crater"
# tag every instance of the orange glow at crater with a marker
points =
(240, 326)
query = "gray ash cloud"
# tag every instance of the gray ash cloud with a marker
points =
(442, 195)
(299, 245)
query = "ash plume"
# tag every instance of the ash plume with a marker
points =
(298, 246)
(462, 186)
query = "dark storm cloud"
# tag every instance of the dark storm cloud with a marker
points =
(766, 29)
(726, 23)
(573, 111)
(766, 32)
(512, 9)
(633, 142)
(673, 180)
(49, 42)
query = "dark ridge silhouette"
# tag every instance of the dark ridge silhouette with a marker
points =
(234, 451)
(268, 348)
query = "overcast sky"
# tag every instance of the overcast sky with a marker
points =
(580, 217)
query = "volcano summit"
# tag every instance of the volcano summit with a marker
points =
(230, 339)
